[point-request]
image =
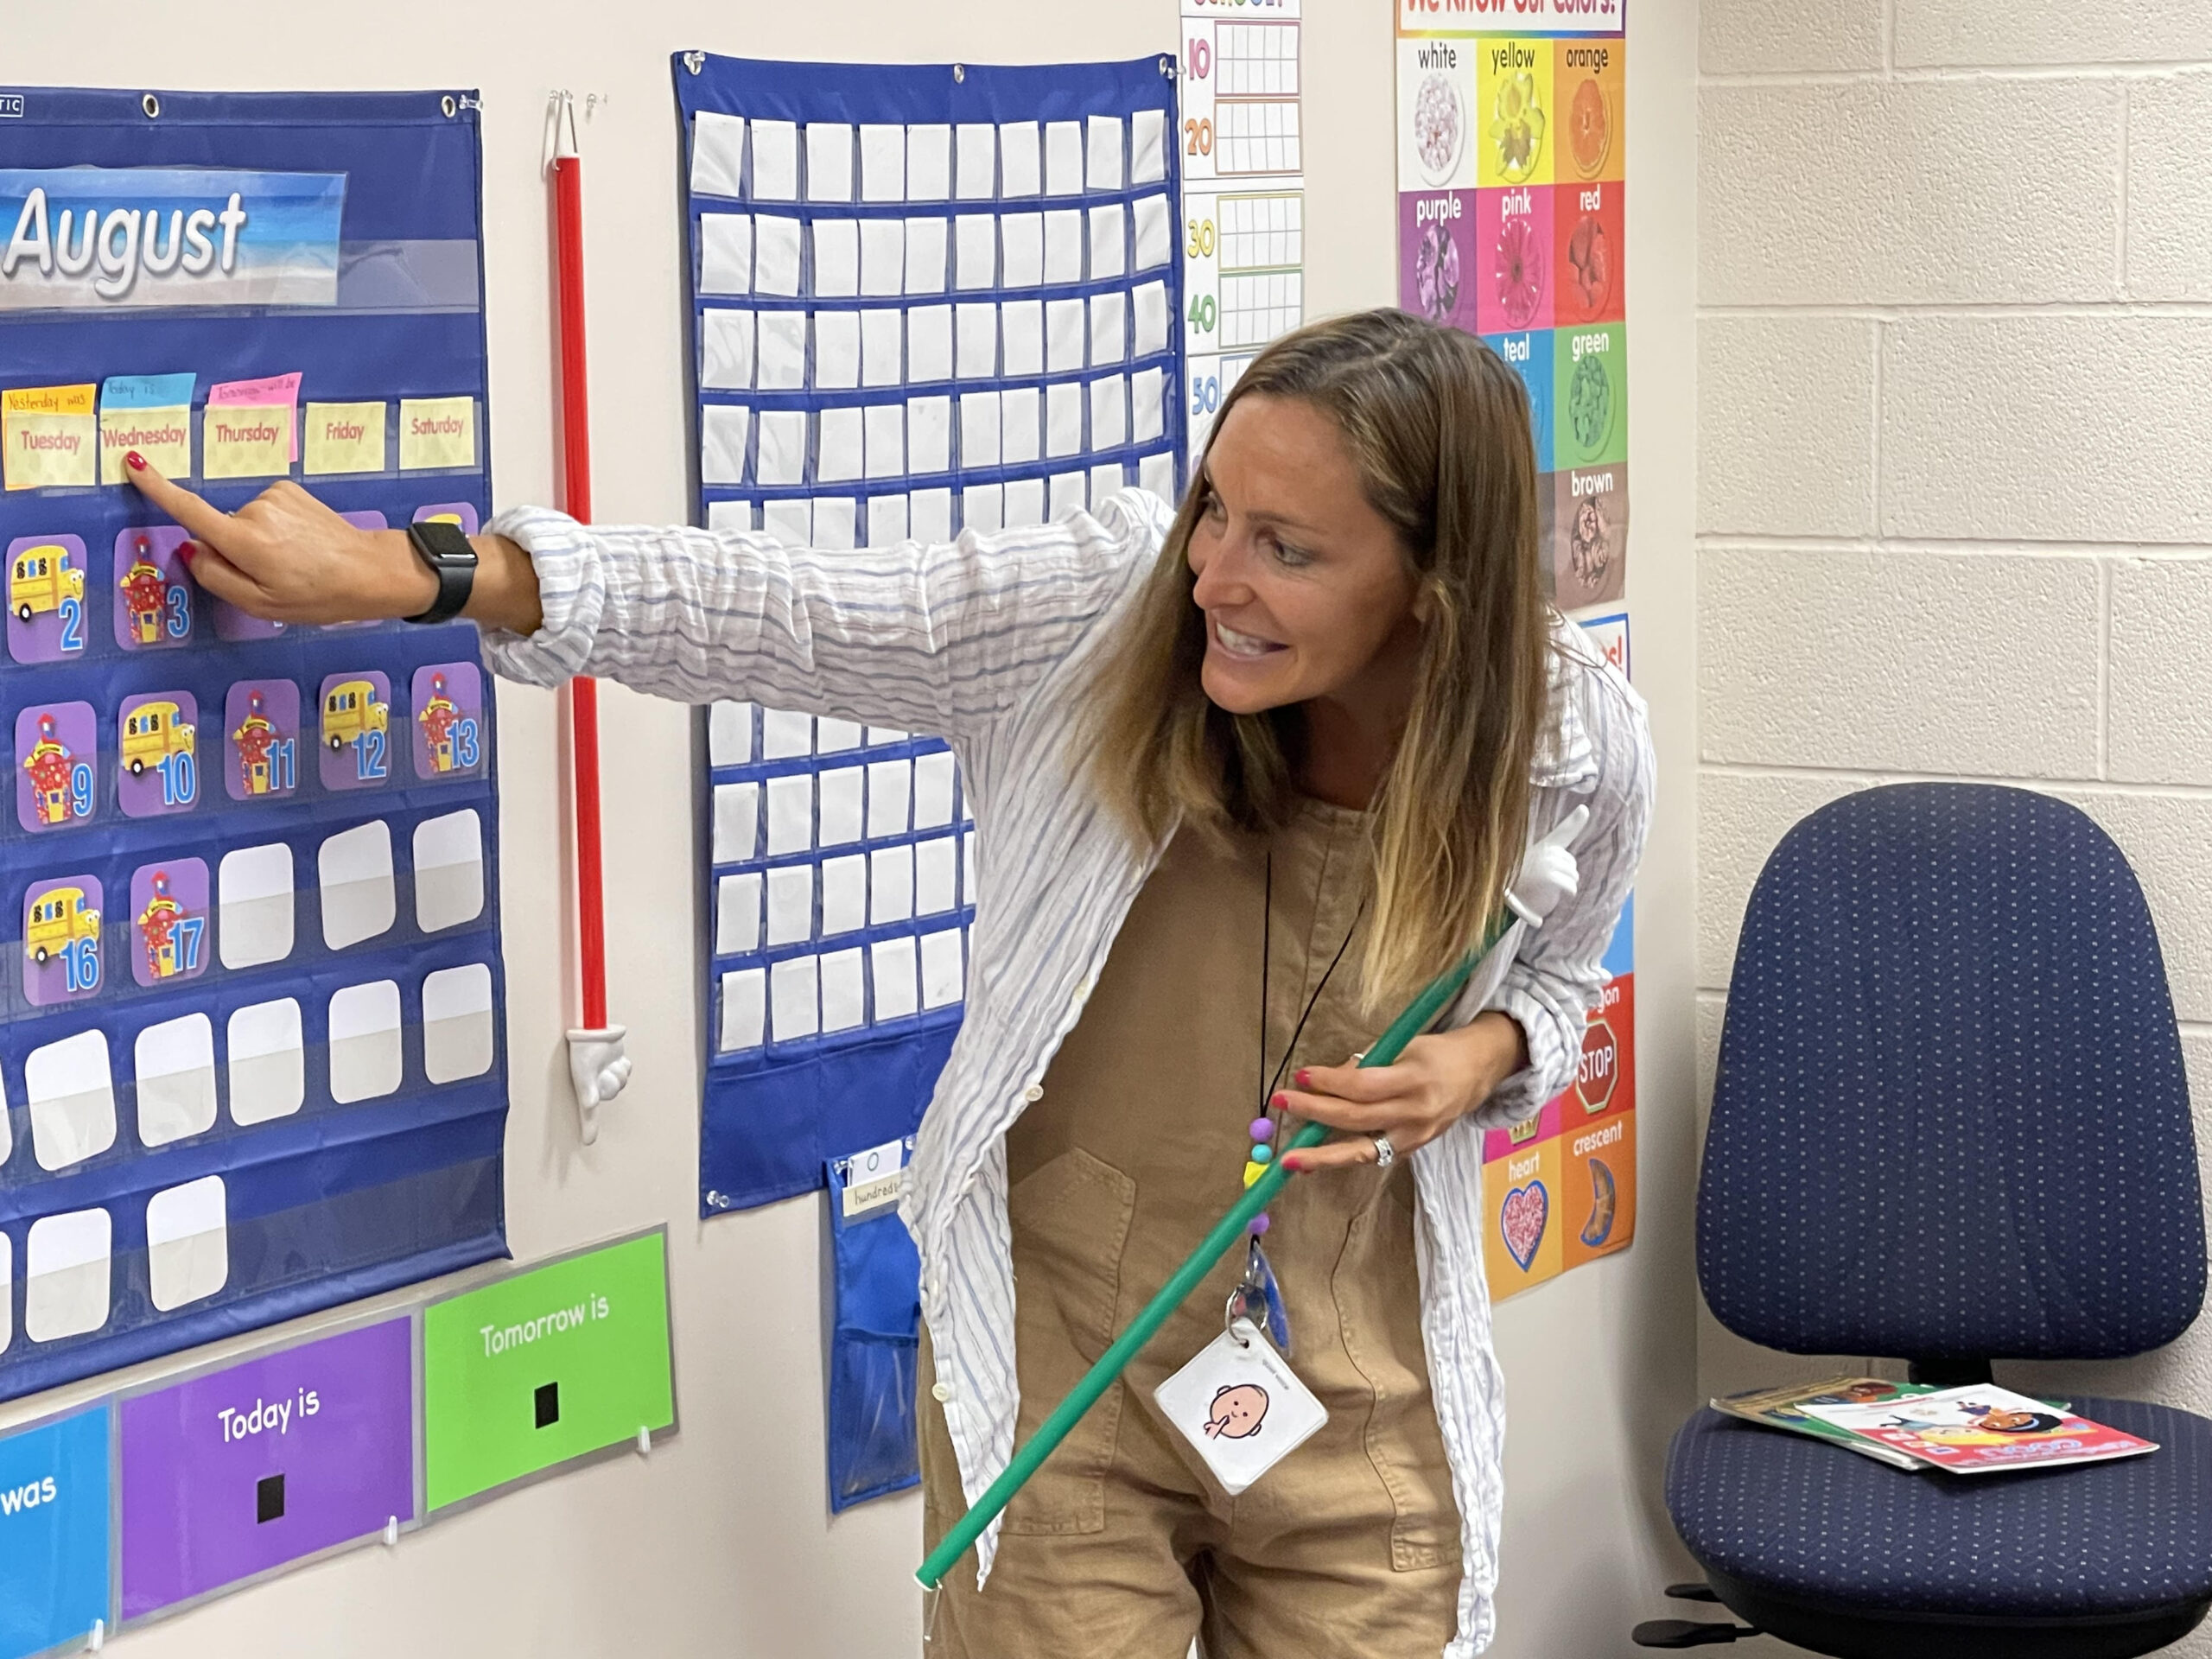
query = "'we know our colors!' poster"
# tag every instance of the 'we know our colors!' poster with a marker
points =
(1511, 157)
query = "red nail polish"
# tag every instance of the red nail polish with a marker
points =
(1280, 1102)
(186, 550)
(1302, 1079)
(1294, 1164)
(136, 462)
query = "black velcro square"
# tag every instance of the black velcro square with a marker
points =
(269, 1500)
(549, 1405)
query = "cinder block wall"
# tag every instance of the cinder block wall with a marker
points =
(1954, 444)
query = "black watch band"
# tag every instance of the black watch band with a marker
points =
(447, 551)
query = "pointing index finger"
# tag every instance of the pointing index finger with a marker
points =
(210, 525)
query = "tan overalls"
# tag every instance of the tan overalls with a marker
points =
(1117, 1546)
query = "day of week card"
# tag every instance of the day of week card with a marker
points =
(150, 413)
(436, 432)
(345, 437)
(50, 436)
(250, 430)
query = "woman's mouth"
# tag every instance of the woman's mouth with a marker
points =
(1243, 646)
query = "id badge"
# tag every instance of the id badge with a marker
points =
(1241, 1406)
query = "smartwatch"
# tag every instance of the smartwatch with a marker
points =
(447, 551)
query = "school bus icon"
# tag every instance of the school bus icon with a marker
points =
(40, 578)
(151, 733)
(350, 710)
(58, 919)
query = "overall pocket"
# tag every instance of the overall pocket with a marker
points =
(1071, 1220)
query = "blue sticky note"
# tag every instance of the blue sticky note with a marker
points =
(146, 391)
(53, 1533)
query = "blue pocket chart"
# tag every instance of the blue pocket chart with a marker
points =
(924, 300)
(250, 1033)
(54, 1534)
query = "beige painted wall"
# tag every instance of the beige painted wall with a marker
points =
(1953, 261)
(720, 1544)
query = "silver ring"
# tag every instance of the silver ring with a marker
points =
(1385, 1153)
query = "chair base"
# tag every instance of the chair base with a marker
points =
(1848, 1633)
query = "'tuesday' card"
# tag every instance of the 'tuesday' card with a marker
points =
(1976, 1429)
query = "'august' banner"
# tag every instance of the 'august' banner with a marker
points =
(90, 237)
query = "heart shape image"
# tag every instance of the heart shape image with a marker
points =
(1521, 1219)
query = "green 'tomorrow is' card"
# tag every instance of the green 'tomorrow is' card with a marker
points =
(554, 1364)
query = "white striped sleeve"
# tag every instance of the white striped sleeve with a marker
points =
(938, 638)
(1559, 973)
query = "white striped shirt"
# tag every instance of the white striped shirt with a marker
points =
(991, 642)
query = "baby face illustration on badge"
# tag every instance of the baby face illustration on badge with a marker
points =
(157, 754)
(61, 939)
(261, 739)
(1238, 1411)
(46, 598)
(154, 596)
(448, 737)
(354, 731)
(57, 752)
(169, 921)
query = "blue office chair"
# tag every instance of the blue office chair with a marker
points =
(1950, 1126)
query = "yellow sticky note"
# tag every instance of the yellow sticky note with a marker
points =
(345, 437)
(51, 437)
(436, 432)
(163, 436)
(243, 440)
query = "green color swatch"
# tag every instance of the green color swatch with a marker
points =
(553, 1364)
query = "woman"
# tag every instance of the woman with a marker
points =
(1244, 780)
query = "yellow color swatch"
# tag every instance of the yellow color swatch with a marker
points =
(51, 437)
(246, 441)
(163, 436)
(436, 432)
(1515, 128)
(345, 437)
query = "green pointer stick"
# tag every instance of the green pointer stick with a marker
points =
(1420, 1014)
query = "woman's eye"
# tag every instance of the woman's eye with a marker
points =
(1293, 556)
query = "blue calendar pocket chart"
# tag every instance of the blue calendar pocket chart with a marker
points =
(251, 1049)
(924, 300)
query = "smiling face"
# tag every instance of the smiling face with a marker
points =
(1305, 589)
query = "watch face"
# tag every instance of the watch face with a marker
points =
(442, 543)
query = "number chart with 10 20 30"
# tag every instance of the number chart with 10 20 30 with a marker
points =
(249, 1000)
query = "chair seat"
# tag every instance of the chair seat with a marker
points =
(1789, 1515)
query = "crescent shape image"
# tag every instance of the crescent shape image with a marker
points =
(1604, 1200)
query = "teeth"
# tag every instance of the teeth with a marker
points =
(1244, 645)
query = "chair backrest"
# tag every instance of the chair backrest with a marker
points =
(1951, 1119)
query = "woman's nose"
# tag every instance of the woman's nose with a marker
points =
(1221, 575)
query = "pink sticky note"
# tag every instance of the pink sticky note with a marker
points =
(272, 392)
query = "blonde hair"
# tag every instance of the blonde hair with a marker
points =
(1438, 429)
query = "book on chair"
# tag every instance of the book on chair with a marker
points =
(1977, 1429)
